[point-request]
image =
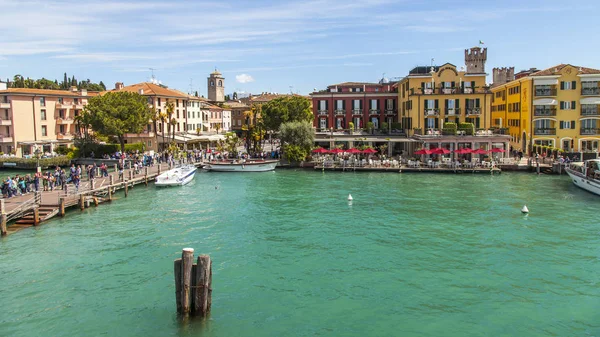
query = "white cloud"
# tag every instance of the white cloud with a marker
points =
(244, 78)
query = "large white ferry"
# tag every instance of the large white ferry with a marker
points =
(250, 165)
(176, 177)
(586, 175)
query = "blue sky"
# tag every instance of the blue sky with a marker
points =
(274, 45)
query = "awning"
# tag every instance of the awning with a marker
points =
(545, 81)
(590, 100)
(544, 101)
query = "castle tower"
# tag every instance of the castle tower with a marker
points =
(475, 60)
(503, 75)
(216, 87)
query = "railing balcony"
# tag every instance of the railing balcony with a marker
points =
(357, 111)
(589, 112)
(390, 111)
(6, 139)
(427, 91)
(78, 106)
(544, 112)
(6, 121)
(590, 91)
(4, 105)
(64, 120)
(545, 92)
(590, 131)
(448, 91)
(544, 131)
(374, 111)
(467, 90)
(340, 112)
(65, 135)
(452, 111)
(473, 111)
(322, 112)
(431, 112)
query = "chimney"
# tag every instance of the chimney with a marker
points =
(119, 85)
(83, 92)
(140, 91)
(73, 89)
(2, 86)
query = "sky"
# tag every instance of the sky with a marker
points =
(285, 46)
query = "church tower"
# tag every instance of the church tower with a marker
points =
(216, 87)
(475, 60)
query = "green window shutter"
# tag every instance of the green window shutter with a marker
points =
(477, 102)
(572, 124)
(574, 85)
(445, 104)
(436, 104)
(453, 84)
(473, 85)
(573, 105)
(562, 85)
(562, 125)
(562, 105)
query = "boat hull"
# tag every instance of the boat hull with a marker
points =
(258, 166)
(176, 177)
(583, 182)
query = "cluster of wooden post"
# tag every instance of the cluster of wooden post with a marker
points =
(4, 218)
(193, 284)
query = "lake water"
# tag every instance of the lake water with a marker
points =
(414, 255)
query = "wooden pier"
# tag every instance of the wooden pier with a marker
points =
(34, 208)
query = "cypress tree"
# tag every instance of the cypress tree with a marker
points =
(64, 84)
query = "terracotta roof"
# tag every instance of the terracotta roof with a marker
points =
(346, 84)
(45, 92)
(236, 104)
(151, 89)
(557, 69)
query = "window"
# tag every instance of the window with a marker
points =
(356, 104)
(322, 105)
(220, 83)
(159, 101)
(373, 104)
(44, 130)
(567, 125)
(149, 143)
(60, 100)
(76, 101)
(43, 114)
(62, 129)
(568, 85)
(567, 105)
(212, 83)
(42, 101)
(239, 122)
(339, 104)
(389, 103)
(5, 113)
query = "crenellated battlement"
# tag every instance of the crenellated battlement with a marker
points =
(475, 59)
(503, 75)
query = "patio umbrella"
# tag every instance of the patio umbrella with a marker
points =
(336, 151)
(497, 149)
(480, 151)
(354, 150)
(440, 150)
(423, 151)
(369, 151)
(320, 150)
(463, 151)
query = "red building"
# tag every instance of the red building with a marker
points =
(355, 102)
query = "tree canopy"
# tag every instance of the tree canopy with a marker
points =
(297, 139)
(285, 109)
(118, 113)
(20, 82)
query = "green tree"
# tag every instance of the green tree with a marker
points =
(173, 123)
(297, 138)
(169, 108)
(227, 98)
(285, 109)
(64, 84)
(118, 113)
(230, 144)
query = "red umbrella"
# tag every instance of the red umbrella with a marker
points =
(423, 151)
(497, 149)
(440, 150)
(320, 150)
(479, 151)
(463, 151)
(354, 150)
(336, 151)
(369, 151)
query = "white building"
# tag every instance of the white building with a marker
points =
(226, 120)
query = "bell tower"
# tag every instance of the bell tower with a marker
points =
(216, 87)
(475, 60)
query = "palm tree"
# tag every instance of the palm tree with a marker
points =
(162, 117)
(173, 123)
(170, 107)
(154, 118)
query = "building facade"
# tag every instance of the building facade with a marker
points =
(39, 119)
(216, 87)
(557, 107)
(432, 95)
(354, 105)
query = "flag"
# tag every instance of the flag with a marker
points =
(481, 42)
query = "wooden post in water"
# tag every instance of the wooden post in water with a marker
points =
(61, 206)
(146, 175)
(93, 184)
(81, 201)
(4, 218)
(187, 260)
(203, 294)
(130, 174)
(126, 189)
(116, 168)
(177, 265)
(36, 216)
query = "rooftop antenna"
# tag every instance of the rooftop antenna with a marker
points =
(153, 78)
(191, 87)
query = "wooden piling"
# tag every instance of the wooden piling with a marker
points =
(116, 168)
(81, 201)
(177, 265)
(203, 294)
(4, 218)
(146, 175)
(109, 194)
(95, 201)
(126, 189)
(187, 260)
(61, 206)
(36, 216)
(93, 184)
(159, 165)
(130, 174)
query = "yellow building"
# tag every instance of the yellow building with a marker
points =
(557, 107)
(430, 96)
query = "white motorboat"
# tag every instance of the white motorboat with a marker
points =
(176, 177)
(251, 165)
(586, 175)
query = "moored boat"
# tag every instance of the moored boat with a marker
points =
(251, 165)
(176, 177)
(586, 175)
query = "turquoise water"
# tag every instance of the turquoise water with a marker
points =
(414, 255)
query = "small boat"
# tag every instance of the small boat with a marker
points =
(250, 165)
(176, 177)
(586, 175)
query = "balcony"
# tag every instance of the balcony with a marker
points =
(373, 112)
(590, 91)
(78, 106)
(5, 105)
(452, 112)
(431, 112)
(390, 112)
(474, 111)
(545, 92)
(64, 136)
(544, 112)
(590, 131)
(589, 111)
(322, 112)
(64, 120)
(62, 105)
(6, 139)
(141, 135)
(340, 112)
(468, 90)
(427, 91)
(357, 111)
(448, 91)
(544, 131)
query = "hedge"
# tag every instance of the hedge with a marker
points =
(31, 163)
(468, 128)
(110, 149)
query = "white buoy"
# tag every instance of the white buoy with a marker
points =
(350, 197)
(524, 210)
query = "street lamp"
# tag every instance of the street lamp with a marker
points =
(37, 157)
